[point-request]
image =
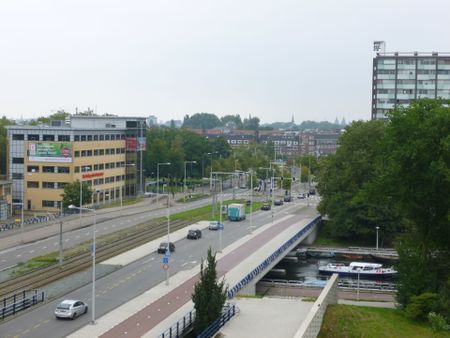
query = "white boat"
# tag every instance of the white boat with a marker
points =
(371, 270)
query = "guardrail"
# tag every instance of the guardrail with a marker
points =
(180, 327)
(343, 284)
(19, 302)
(227, 313)
(256, 271)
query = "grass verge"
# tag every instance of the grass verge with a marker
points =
(370, 322)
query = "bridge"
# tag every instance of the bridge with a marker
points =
(242, 264)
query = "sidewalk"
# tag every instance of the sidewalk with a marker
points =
(162, 306)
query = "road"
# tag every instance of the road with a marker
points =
(134, 279)
(43, 240)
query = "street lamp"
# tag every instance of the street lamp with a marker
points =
(157, 179)
(184, 185)
(378, 228)
(94, 249)
(82, 169)
(168, 234)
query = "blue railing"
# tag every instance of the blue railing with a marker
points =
(180, 327)
(256, 271)
(21, 301)
(228, 312)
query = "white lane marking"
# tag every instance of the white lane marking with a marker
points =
(68, 239)
(19, 255)
(44, 247)
(77, 236)
(31, 251)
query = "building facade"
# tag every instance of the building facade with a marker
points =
(5, 199)
(103, 152)
(400, 78)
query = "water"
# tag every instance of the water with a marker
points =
(306, 271)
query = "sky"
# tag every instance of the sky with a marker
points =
(278, 59)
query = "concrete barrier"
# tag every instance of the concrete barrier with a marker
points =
(310, 327)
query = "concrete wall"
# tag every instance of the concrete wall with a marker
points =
(310, 327)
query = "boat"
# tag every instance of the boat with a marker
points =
(351, 256)
(384, 258)
(365, 270)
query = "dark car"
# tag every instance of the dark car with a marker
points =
(266, 207)
(312, 191)
(287, 198)
(163, 247)
(194, 234)
(278, 202)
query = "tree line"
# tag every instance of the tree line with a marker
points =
(395, 174)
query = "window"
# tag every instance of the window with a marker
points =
(48, 204)
(64, 138)
(96, 152)
(18, 137)
(102, 137)
(32, 184)
(83, 153)
(48, 169)
(48, 137)
(77, 169)
(17, 160)
(33, 169)
(64, 170)
(17, 176)
(83, 138)
(102, 152)
(33, 137)
(113, 151)
(95, 167)
(95, 137)
(101, 166)
(89, 153)
(89, 137)
(61, 185)
(76, 138)
(107, 137)
(107, 151)
(106, 165)
(77, 153)
(48, 185)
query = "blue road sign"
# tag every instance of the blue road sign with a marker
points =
(167, 252)
(220, 226)
(165, 260)
(93, 248)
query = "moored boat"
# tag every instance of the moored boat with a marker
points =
(321, 254)
(371, 270)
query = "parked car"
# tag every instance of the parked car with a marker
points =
(194, 234)
(301, 196)
(278, 202)
(163, 247)
(287, 198)
(312, 191)
(266, 207)
(214, 225)
(70, 309)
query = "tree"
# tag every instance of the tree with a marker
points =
(234, 119)
(417, 171)
(346, 185)
(3, 143)
(209, 296)
(201, 121)
(71, 195)
(252, 123)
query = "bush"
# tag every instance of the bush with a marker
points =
(437, 322)
(421, 305)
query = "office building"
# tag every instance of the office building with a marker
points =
(400, 78)
(103, 151)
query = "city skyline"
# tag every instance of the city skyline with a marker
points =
(273, 61)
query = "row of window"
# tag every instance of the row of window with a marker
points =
(107, 137)
(411, 61)
(100, 166)
(66, 138)
(35, 137)
(61, 185)
(411, 72)
(440, 82)
(99, 152)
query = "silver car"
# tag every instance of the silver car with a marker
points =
(70, 309)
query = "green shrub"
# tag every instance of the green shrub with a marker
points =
(421, 305)
(437, 322)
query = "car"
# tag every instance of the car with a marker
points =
(194, 234)
(214, 225)
(312, 191)
(266, 207)
(287, 198)
(163, 247)
(278, 202)
(301, 196)
(70, 309)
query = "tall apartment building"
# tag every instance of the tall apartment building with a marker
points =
(399, 78)
(105, 152)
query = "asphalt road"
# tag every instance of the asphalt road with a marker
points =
(44, 240)
(133, 279)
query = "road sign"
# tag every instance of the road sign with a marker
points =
(220, 226)
(165, 260)
(93, 248)
(167, 252)
(165, 266)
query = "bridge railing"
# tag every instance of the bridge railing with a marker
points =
(18, 302)
(344, 284)
(180, 327)
(227, 313)
(264, 264)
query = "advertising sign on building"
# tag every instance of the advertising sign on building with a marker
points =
(50, 152)
(131, 143)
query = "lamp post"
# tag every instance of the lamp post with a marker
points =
(251, 200)
(184, 183)
(168, 233)
(94, 249)
(220, 218)
(377, 236)
(157, 179)
(82, 169)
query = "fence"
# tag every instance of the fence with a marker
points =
(21, 301)
(180, 327)
(228, 312)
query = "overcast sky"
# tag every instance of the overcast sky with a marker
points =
(272, 59)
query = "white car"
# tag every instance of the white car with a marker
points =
(70, 309)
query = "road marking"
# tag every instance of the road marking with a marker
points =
(184, 264)
(159, 310)
(77, 236)
(68, 239)
(149, 317)
(105, 228)
(44, 247)
(31, 251)
(46, 321)
(168, 303)
(87, 233)
(19, 255)
(37, 325)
